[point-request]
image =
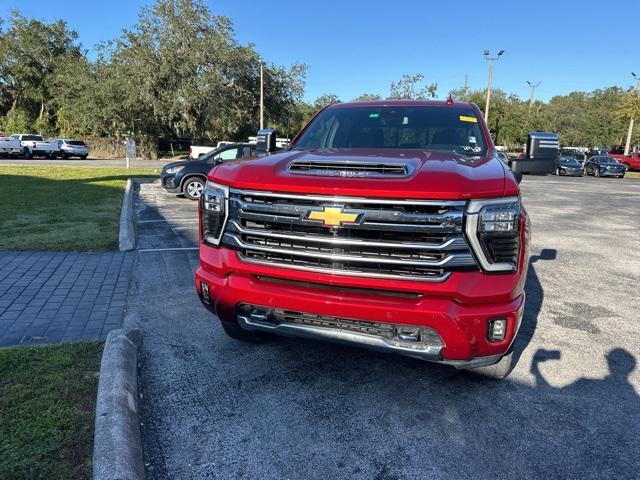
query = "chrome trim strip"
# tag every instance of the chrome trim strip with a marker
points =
(328, 198)
(471, 230)
(450, 244)
(428, 352)
(341, 168)
(459, 259)
(209, 185)
(346, 273)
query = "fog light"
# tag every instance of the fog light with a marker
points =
(205, 292)
(497, 329)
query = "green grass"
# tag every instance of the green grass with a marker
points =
(47, 410)
(62, 208)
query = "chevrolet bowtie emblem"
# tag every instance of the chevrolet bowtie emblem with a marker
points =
(333, 216)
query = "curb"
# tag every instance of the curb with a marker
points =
(117, 442)
(127, 238)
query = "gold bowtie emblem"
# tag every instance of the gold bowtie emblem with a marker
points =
(333, 216)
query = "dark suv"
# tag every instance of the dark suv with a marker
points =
(189, 176)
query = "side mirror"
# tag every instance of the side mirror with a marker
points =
(517, 176)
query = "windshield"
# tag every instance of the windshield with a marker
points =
(77, 143)
(396, 127)
(569, 161)
(608, 160)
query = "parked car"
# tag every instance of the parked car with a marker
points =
(73, 148)
(604, 166)
(573, 152)
(388, 225)
(570, 166)
(10, 147)
(36, 146)
(189, 176)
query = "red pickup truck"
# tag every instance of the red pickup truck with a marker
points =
(632, 161)
(390, 225)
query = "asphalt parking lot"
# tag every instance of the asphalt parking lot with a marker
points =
(216, 408)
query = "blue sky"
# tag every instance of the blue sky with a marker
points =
(360, 46)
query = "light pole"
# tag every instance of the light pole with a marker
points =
(261, 97)
(491, 60)
(627, 146)
(533, 92)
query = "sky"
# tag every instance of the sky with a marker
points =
(353, 47)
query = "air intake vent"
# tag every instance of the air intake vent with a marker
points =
(349, 169)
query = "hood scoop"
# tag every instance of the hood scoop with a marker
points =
(337, 168)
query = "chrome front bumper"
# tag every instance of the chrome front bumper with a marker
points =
(430, 353)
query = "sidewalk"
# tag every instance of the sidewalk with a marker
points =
(52, 297)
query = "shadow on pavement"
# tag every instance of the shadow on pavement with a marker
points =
(533, 303)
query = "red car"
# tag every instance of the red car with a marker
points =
(390, 225)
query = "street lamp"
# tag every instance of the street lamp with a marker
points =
(627, 146)
(491, 60)
(533, 92)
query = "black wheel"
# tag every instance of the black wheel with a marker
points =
(234, 331)
(63, 155)
(27, 154)
(83, 157)
(497, 371)
(596, 173)
(193, 187)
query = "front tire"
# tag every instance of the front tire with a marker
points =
(64, 156)
(27, 154)
(193, 187)
(83, 157)
(497, 371)
(234, 331)
(596, 173)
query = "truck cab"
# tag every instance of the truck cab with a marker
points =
(388, 225)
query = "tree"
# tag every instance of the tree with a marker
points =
(408, 87)
(368, 97)
(324, 100)
(35, 57)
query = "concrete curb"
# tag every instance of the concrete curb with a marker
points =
(117, 442)
(127, 239)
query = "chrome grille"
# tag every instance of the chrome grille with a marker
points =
(387, 238)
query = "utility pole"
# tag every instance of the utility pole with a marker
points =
(261, 97)
(627, 146)
(533, 92)
(491, 60)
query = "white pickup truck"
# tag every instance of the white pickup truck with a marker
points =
(10, 147)
(35, 145)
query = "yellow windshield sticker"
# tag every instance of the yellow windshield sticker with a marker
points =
(464, 118)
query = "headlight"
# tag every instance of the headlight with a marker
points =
(174, 169)
(214, 210)
(493, 230)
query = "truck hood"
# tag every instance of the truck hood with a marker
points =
(437, 175)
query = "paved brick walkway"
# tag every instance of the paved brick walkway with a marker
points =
(54, 297)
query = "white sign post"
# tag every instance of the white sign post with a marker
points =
(131, 150)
